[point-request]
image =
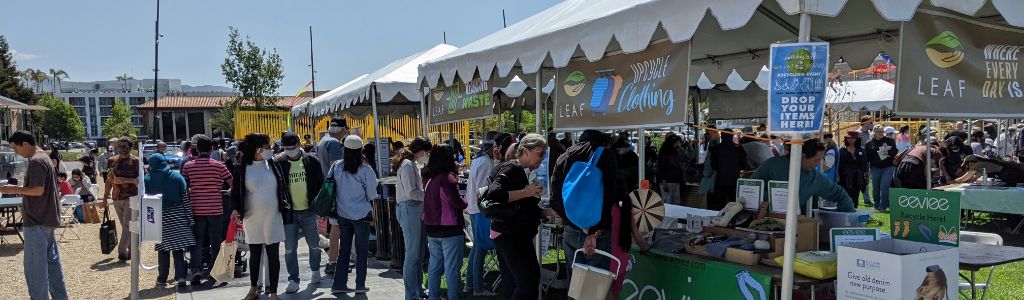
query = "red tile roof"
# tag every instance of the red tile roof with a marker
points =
(211, 102)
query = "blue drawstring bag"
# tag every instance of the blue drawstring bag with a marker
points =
(583, 192)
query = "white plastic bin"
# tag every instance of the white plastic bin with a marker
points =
(589, 282)
(152, 220)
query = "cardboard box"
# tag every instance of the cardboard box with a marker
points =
(806, 232)
(741, 256)
(897, 269)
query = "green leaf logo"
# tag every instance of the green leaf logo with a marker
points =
(799, 62)
(574, 83)
(944, 50)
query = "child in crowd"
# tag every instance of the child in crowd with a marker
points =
(64, 185)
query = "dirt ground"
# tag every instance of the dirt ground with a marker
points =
(88, 274)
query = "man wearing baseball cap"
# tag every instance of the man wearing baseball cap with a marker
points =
(305, 177)
(328, 152)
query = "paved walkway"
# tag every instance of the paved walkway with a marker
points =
(383, 283)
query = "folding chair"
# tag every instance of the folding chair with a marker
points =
(67, 215)
(970, 286)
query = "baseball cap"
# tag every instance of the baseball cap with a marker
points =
(353, 142)
(338, 122)
(289, 139)
(890, 130)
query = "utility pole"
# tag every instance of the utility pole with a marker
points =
(312, 78)
(156, 71)
(444, 37)
(504, 24)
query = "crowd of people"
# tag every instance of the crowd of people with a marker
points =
(268, 188)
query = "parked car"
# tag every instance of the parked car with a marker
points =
(174, 154)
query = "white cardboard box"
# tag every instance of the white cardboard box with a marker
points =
(897, 269)
(152, 218)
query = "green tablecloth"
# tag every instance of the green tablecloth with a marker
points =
(1008, 200)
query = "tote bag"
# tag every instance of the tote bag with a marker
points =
(324, 203)
(583, 192)
(108, 233)
(223, 269)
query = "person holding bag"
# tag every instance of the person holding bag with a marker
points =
(511, 203)
(357, 186)
(409, 194)
(443, 221)
(260, 197)
(122, 183)
(176, 229)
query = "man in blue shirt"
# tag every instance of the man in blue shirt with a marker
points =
(812, 183)
(329, 152)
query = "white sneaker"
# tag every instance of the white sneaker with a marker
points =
(293, 286)
(315, 278)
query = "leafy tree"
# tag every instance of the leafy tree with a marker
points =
(224, 121)
(120, 122)
(61, 121)
(254, 72)
(10, 78)
(57, 75)
(124, 78)
(36, 77)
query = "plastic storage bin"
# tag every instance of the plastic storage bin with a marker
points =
(828, 219)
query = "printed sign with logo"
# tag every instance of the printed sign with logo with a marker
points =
(846, 236)
(925, 216)
(645, 89)
(796, 95)
(748, 192)
(461, 101)
(957, 66)
(658, 275)
(778, 195)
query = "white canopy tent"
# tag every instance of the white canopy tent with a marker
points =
(874, 94)
(319, 105)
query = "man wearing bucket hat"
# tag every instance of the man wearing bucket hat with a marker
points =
(328, 152)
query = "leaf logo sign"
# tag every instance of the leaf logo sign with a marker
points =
(799, 62)
(944, 50)
(438, 93)
(574, 83)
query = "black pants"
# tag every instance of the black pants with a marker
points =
(853, 193)
(517, 252)
(910, 175)
(273, 265)
(208, 230)
(723, 194)
(163, 259)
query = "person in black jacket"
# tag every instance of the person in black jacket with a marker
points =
(728, 159)
(599, 235)
(261, 199)
(881, 151)
(671, 174)
(304, 177)
(512, 189)
(853, 166)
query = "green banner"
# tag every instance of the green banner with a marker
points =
(461, 101)
(925, 216)
(659, 275)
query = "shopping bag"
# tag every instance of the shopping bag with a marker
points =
(108, 233)
(583, 192)
(91, 214)
(223, 269)
(323, 204)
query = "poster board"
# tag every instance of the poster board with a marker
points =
(846, 236)
(748, 192)
(796, 94)
(659, 275)
(636, 90)
(957, 66)
(460, 101)
(778, 195)
(925, 216)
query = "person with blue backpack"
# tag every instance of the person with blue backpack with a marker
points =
(595, 211)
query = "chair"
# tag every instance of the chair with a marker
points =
(67, 215)
(970, 284)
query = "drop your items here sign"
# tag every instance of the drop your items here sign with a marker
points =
(796, 95)
(925, 216)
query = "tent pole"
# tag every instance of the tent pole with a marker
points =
(794, 188)
(376, 128)
(928, 155)
(537, 117)
(423, 111)
(641, 151)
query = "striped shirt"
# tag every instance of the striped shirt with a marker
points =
(205, 178)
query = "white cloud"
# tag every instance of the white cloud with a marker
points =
(22, 56)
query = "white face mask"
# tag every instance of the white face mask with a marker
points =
(267, 154)
(422, 160)
(292, 153)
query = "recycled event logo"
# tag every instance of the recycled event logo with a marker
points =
(604, 92)
(944, 50)
(799, 62)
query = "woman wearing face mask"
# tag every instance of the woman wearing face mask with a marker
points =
(443, 221)
(409, 194)
(122, 183)
(513, 237)
(260, 197)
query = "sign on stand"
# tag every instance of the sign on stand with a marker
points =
(925, 216)
(778, 194)
(846, 236)
(658, 275)
(748, 192)
(796, 95)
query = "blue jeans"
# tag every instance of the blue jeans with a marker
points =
(306, 221)
(359, 233)
(207, 228)
(445, 257)
(574, 239)
(481, 244)
(881, 179)
(43, 273)
(409, 213)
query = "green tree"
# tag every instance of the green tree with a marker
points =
(57, 76)
(224, 121)
(10, 78)
(36, 77)
(254, 72)
(60, 121)
(120, 122)
(124, 78)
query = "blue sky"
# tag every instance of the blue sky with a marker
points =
(97, 40)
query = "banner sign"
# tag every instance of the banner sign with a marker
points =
(659, 275)
(461, 101)
(796, 95)
(925, 216)
(956, 66)
(748, 192)
(645, 89)
(846, 236)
